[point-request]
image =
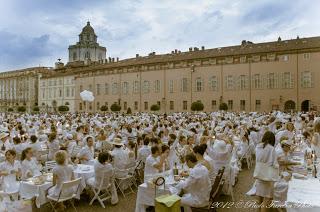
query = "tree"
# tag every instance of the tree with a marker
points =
(36, 109)
(115, 107)
(63, 108)
(155, 107)
(223, 106)
(10, 109)
(22, 109)
(129, 110)
(197, 106)
(104, 108)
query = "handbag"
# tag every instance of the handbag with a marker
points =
(265, 172)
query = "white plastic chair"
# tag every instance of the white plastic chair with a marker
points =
(102, 192)
(49, 165)
(76, 149)
(66, 186)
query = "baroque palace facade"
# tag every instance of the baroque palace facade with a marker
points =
(281, 74)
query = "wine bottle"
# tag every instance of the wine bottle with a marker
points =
(175, 169)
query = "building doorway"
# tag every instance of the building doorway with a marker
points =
(305, 105)
(289, 106)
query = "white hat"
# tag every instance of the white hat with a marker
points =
(3, 135)
(220, 146)
(117, 141)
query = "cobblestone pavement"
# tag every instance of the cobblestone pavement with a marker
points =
(128, 204)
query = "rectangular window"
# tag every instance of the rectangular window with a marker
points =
(199, 84)
(125, 88)
(67, 92)
(90, 87)
(285, 57)
(258, 105)
(213, 83)
(136, 105)
(185, 105)
(125, 105)
(171, 105)
(146, 106)
(230, 82)
(271, 82)
(170, 86)
(243, 83)
(230, 104)
(256, 81)
(98, 89)
(157, 86)
(106, 89)
(306, 79)
(184, 85)
(242, 104)
(146, 86)
(286, 83)
(306, 56)
(136, 87)
(115, 88)
(80, 106)
(98, 105)
(213, 104)
(81, 88)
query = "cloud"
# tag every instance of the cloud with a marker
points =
(37, 32)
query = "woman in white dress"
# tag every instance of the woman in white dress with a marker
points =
(53, 145)
(315, 142)
(29, 165)
(62, 172)
(265, 153)
(10, 169)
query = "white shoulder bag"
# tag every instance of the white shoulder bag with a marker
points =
(265, 172)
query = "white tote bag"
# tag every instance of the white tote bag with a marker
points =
(265, 172)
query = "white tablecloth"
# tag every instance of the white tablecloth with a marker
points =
(29, 190)
(304, 192)
(146, 195)
(85, 172)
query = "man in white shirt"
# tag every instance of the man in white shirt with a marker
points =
(86, 154)
(154, 163)
(144, 151)
(196, 188)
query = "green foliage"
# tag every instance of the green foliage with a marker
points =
(104, 108)
(155, 107)
(22, 109)
(63, 108)
(197, 106)
(115, 107)
(223, 106)
(129, 110)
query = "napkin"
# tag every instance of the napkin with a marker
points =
(168, 200)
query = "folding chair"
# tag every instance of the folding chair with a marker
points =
(102, 192)
(66, 186)
(217, 181)
(76, 149)
(49, 165)
(120, 181)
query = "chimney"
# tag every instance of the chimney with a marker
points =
(137, 55)
(109, 59)
(202, 47)
(113, 59)
(117, 59)
(190, 49)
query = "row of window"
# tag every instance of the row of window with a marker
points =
(57, 92)
(270, 81)
(214, 106)
(55, 82)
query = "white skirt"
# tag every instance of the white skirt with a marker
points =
(262, 189)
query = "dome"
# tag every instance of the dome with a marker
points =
(87, 29)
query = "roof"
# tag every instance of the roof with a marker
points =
(87, 29)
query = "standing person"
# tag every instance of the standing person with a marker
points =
(315, 142)
(53, 145)
(265, 153)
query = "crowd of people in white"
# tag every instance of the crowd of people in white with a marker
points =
(141, 146)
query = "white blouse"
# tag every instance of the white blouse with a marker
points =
(30, 167)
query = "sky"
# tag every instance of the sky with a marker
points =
(38, 32)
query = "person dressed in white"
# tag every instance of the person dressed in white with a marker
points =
(144, 151)
(4, 142)
(120, 158)
(53, 145)
(154, 163)
(10, 169)
(196, 188)
(104, 171)
(265, 153)
(86, 154)
(315, 142)
(29, 166)
(62, 172)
